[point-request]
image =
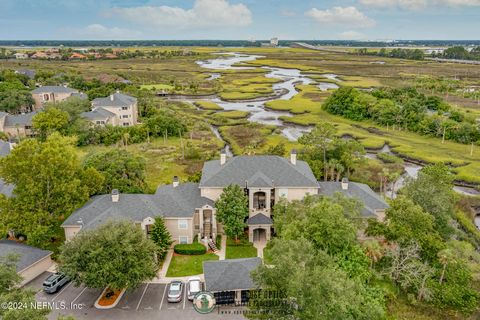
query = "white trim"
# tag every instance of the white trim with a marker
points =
(180, 240)
(181, 222)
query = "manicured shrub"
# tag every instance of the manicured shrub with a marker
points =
(190, 249)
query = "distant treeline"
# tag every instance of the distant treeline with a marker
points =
(412, 54)
(459, 53)
(231, 43)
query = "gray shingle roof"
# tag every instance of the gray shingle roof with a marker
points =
(27, 255)
(98, 114)
(257, 170)
(167, 202)
(230, 274)
(4, 148)
(80, 95)
(5, 188)
(360, 191)
(54, 89)
(119, 100)
(27, 72)
(20, 120)
(259, 218)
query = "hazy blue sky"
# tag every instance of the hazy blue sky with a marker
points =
(239, 19)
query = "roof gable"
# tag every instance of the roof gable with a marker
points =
(273, 171)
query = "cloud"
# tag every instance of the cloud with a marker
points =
(100, 32)
(348, 16)
(203, 14)
(351, 35)
(418, 4)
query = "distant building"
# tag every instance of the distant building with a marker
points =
(46, 94)
(272, 44)
(17, 125)
(117, 109)
(20, 56)
(27, 72)
(77, 56)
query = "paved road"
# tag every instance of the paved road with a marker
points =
(149, 301)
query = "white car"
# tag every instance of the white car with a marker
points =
(194, 286)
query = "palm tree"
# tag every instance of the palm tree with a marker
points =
(332, 163)
(340, 169)
(373, 250)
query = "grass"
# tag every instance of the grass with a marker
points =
(157, 87)
(188, 265)
(233, 114)
(243, 249)
(208, 105)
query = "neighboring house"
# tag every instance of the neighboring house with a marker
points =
(374, 206)
(32, 261)
(17, 125)
(27, 72)
(189, 209)
(230, 280)
(179, 206)
(5, 188)
(20, 56)
(117, 109)
(77, 56)
(46, 94)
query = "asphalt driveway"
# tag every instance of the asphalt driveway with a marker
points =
(149, 301)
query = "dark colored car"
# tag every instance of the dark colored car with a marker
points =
(55, 282)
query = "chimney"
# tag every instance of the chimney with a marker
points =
(111, 97)
(176, 182)
(223, 157)
(293, 157)
(345, 184)
(115, 195)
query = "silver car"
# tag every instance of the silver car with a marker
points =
(175, 291)
(194, 286)
(55, 282)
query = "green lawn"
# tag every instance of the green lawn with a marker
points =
(243, 249)
(188, 265)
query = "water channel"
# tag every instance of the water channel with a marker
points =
(285, 90)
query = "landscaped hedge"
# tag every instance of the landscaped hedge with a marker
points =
(194, 248)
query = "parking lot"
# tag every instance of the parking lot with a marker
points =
(149, 301)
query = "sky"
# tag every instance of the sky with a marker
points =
(239, 19)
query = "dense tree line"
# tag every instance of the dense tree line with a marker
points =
(459, 53)
(329, 156)
(15, 95)
(405, 109)
(412, 54)
(325, 270)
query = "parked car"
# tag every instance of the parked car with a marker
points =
(55, 282)
(194, 286)
(175, 291)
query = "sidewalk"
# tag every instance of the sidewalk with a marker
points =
(223, 248)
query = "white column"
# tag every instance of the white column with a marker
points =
(267, 199)
(250, 200)
(200, 212)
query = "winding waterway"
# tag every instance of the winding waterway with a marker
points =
(285, 90)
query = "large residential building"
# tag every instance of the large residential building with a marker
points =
(17, 125)
(189, 209)
(47, 94)
(117, 109)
